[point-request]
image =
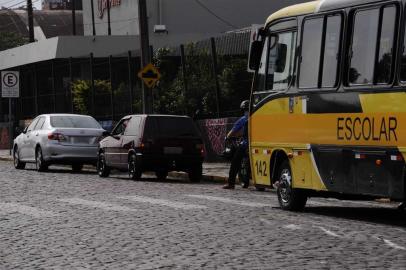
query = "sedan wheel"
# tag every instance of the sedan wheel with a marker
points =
(39, 160)
(17, 163)
(102, 168)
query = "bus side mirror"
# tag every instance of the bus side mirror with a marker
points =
(255, 55)
(280, 62)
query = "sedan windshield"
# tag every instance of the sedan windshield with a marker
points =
(74, 122)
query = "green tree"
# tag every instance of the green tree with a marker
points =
(235, 82)
(200, 92)
(81, 91)
(10, 40)
(170, 95)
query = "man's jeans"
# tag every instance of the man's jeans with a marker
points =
(236, 164)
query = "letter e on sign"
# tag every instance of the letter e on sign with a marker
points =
(10, 84)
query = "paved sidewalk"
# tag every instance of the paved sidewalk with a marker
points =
(211, 171)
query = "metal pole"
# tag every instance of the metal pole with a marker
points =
(10, 126)
(108, 18)
(111, 87)
(93, 23)
(73, 18)
(71, 83)
(144, 44)
(35, 89)
(92, 85)
(183, 61)
(53, 85)
(30, 21)
(214, 55)
(130, 82)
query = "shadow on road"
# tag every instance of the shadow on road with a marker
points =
(386, 216)
(64, 171)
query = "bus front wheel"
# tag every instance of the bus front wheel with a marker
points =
(289, 198)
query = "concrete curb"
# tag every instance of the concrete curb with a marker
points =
(6, 159)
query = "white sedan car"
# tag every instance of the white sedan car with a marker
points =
(58, 139)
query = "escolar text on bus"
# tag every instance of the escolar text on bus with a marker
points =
(367, 128)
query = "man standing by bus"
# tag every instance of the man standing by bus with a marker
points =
(240, 129)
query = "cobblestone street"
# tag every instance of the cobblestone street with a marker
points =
(61, 220)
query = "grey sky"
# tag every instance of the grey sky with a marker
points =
(12, 3)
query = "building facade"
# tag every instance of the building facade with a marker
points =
(172, 22)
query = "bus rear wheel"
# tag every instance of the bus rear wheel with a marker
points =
(289, 198)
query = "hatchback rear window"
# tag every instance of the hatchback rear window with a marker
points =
(170, 127)
(74, 122)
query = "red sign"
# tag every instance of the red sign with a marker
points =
(102, 5)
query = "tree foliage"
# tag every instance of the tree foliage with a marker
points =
(10, 40)
(81, 91)
(171, 96)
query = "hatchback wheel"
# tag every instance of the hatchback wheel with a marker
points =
(102, 168)
(16, 157)
(39, 160)
(134, 168)
(195, 173)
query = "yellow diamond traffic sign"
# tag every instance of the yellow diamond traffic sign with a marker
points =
(150, 75)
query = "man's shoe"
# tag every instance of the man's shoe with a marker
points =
(245, 185)
(228, 186)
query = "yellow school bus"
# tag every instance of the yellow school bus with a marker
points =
(328, 102)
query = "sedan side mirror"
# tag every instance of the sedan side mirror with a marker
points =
(25, 130)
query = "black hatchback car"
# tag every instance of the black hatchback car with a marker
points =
(157, 143)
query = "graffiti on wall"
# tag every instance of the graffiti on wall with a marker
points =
(216, 130)
(213, 132)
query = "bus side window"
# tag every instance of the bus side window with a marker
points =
(331, 51)
(363, 47)
(311, 48)
(403, 60)
(321, 45)
(371, 51)
(384, 67)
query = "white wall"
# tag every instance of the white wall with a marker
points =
(124, 18)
